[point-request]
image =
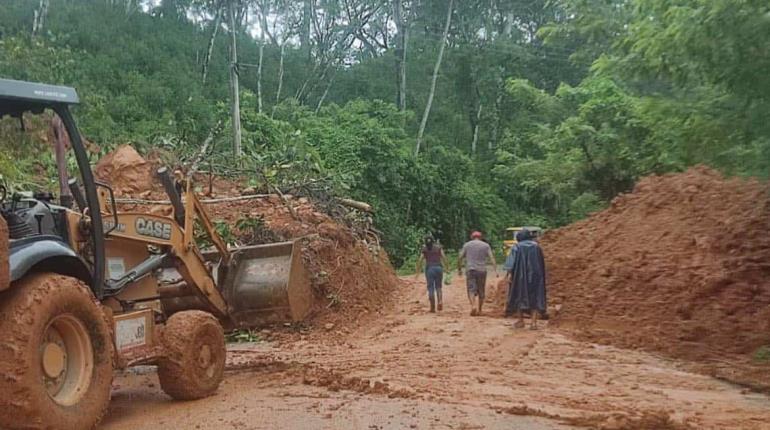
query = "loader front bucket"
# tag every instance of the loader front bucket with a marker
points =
(267, 284)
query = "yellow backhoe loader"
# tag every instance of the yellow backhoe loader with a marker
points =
(509, 236)
(86, 289)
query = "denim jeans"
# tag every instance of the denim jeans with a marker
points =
(434, 275)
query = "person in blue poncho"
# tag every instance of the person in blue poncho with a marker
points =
(526, 271)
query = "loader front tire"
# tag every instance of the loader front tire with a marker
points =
(55, 355)
(193, 364)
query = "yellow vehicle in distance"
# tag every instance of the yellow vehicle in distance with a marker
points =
(509, 237)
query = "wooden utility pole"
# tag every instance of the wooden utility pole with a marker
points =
(236, 103)
(425, 114)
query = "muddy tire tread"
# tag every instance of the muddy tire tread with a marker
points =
(181, 338)
(25, 309)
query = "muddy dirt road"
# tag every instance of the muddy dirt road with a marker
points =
(408, 368)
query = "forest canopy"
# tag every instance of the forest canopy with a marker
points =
(447, 116)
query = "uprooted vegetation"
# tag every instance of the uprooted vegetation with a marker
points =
(351, 274)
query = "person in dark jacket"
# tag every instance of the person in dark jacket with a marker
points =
(433, 256)
(526, 269)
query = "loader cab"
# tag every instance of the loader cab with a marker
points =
(44, 232)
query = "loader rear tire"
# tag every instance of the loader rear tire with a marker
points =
(194, 361)
(55, 355)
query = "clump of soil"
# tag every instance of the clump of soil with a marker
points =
(351, 278)
(335, 381)
(126, 171)
(681, 266)
(645, 421)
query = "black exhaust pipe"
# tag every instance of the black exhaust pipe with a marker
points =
(173, 194)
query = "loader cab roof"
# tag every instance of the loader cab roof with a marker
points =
(532, 228)
(510, 232)
(17, 97)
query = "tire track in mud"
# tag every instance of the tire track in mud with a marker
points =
(415, 362)
(452, 358)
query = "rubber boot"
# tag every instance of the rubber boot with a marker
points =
(432, 304)
(440, 298)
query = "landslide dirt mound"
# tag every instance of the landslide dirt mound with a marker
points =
(681, 265)
(351, 278)
(126, 171)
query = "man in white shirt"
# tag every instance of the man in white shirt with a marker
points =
(476, 252)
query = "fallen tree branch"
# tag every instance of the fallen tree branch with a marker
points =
(205, 201)
(365, 207)
(285, 202)
(199, 157)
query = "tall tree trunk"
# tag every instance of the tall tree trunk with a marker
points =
(323, 96)
(316, 82)
(436, 69)
(493, 140)
(401, 46)
(326, 92)
(304, 33)
(300, 94)
(402, 79)
(496, 121)
(39, 19)
(476, 130)
(263, 8)
(259, 72)
(508, 24)
(280, 80)
(210, 49)
(130, 4)
(234, 88)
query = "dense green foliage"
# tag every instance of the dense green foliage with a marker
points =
(570, 101)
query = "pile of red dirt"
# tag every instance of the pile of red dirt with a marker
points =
(350, 277)
(126, 171)
(680, 266)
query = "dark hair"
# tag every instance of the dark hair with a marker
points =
(429, 242)
(524, 234)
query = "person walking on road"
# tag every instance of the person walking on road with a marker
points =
(476, 252)
(433, 256)
(526, 271)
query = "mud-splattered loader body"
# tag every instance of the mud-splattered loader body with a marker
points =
(87, 289)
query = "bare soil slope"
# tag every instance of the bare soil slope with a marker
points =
(681, 266)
